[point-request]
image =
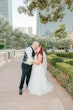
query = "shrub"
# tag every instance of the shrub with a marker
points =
(62, 54)
(52, 60)
(66, 59)
(55, 60)
(69, 62)
(63, 79)
(49, 58)
(71, 56)
(49, 53)
(66, 68)
(65, 54)
(64, 71)
(53, 55)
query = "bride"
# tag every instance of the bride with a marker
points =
(38, 83)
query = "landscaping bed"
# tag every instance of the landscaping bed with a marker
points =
(66, 68)
(62, 69)
(63, 79)
(70, 61)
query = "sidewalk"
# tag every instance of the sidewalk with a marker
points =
(10, 99)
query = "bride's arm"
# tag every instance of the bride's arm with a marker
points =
(39, 59)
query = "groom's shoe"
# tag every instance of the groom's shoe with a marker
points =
(20, 91)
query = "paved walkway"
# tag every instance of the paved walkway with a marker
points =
(10, 75)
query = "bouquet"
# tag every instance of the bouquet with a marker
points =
(30, 61)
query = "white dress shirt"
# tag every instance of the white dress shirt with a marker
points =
(28, 51)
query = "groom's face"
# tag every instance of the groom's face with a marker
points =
(36, 50)
(36, 47)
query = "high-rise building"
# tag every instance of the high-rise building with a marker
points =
(25, 30)
(49, 28)
(6, 9)
(30, 31)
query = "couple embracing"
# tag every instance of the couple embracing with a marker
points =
(34, 68)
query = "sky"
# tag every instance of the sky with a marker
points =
(21, 20)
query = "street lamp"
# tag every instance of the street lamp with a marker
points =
(4, 35)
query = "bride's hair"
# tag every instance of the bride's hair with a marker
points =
(41, 50)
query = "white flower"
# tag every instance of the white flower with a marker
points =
(30, 61)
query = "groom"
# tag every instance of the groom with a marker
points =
(26, 65)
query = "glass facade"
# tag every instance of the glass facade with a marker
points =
(49, 28)
(6, 9)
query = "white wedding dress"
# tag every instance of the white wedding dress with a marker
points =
(38, 83)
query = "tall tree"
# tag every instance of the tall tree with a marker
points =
(5, 30)
(21, 40)
(61, 32)
(54, 9)
(64, 43)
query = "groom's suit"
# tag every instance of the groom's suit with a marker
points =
(26, 68)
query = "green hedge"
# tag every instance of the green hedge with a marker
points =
(63, 79)
(49, 53)
(49, 58)
(66, 68)
(65, 54)
(53, 60)
(69, 62)
(62, 54)
(53, 55)
(64, 71)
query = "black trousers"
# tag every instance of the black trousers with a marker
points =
(26, 72)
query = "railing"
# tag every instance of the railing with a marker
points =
(7, 55)
(19, 52)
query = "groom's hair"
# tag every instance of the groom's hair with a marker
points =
(35, 43)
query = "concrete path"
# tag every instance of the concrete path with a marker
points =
(10, 99)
